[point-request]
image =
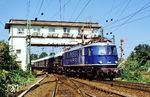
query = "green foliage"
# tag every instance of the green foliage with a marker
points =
(137, 62)
(20, 77)
(52, 54)
(43, 54)
(34, 56)
(10, 72)
(3, 83)
(7, 61)
(16, 77)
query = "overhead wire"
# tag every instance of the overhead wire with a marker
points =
(40, 8)
(82, 10)
(60, 10)
(130, 16)
(75, 8)
(1, 23)
(115, 5)
(123, 10)
(135, 20)
(28, 9)
(36, 8)
(65, 4)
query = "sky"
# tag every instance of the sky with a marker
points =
(126, 19)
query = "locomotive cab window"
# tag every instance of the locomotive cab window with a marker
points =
(99, 50)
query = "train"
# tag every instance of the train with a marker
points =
(97, 60)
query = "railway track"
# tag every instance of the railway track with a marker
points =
(61, 86)
(87, 90)
(100, 91)
(67, 82)
(135, 86)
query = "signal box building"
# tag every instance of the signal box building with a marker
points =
(46, 33)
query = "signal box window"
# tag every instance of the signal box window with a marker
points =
(20, 30)
(19, 63)
(36, 29)
(18, 51)
(51, 29)
(66, 30)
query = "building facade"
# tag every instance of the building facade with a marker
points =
(46, 33)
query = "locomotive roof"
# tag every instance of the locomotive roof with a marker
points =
(92, 44)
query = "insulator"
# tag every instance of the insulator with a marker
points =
(42, 13)
(36, 19)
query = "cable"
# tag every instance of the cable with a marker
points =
(61, 9)
(138, 19)
(124, 8)
(82, 10)
(75, 8)
(36, 9)
(40, 8)
(28, 9)
(1, 23)
(128, 17)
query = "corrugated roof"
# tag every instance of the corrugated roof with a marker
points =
(52, 23)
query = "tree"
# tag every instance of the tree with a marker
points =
(52, 54)
(43, 54)
(34, 56)
(7, 61)
(137, 62)
(141, 53)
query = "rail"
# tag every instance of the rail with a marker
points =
(55, 89)
(104, 90)
(135, 86)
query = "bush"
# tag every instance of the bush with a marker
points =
(15, 77)
(137, 63)
(21, 77)
(3, 83)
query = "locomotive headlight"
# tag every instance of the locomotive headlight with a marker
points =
(116, 62)
(100, 62)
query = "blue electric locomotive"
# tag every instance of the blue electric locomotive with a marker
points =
(95, 60)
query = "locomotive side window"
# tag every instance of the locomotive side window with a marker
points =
(111, 50)
(83, 52)
(89, 51)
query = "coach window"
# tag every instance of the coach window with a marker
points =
(89, 51)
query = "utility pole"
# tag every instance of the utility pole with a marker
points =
(28, 39)
(113, 39)
(82, 31)
(121, 49)
(28, 46)
(101, 34)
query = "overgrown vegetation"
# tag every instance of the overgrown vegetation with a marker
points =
(10, 73)
(137, 66)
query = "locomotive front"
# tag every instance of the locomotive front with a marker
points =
(105, 58)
